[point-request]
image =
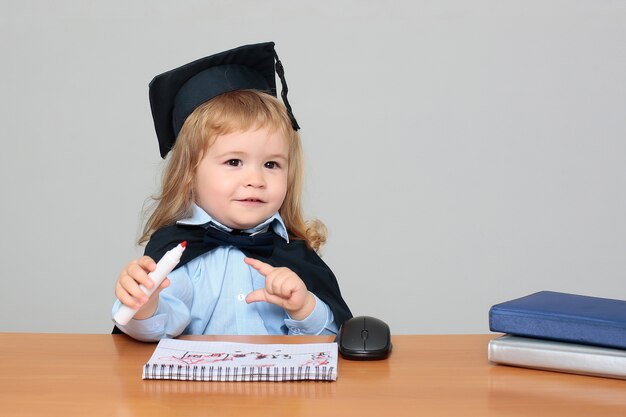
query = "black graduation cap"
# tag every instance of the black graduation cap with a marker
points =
(175, 94)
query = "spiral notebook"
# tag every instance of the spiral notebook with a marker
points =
(192, 360)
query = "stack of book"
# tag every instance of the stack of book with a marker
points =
(561, 332)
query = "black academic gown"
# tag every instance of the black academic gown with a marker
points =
(295, 255)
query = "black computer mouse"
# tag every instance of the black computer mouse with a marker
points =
(364, 338)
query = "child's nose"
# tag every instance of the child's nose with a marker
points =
(255, 178)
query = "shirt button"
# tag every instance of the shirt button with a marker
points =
(241, 297)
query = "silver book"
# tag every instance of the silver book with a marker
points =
(558, 356)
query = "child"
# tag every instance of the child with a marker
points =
(231, 189)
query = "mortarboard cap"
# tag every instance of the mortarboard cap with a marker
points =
(175, 94)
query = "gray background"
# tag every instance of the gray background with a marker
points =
(462, 153)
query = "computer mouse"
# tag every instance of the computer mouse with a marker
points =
(364, 338)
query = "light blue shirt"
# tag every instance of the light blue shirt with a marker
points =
(207, 296)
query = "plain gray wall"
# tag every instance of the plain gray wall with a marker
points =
(461, 153)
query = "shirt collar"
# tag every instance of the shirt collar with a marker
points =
(199, 217)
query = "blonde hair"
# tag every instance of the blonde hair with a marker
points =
(235, 111)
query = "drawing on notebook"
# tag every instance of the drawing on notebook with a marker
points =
(241, 358)
(189, 360)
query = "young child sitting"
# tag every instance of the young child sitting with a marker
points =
(231, 188)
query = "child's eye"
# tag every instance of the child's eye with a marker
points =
(233, 162)
(272, 165)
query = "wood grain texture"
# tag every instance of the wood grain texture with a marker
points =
(426, 375)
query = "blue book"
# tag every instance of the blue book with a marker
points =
(564, 317)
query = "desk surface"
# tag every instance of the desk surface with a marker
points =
(430, 375)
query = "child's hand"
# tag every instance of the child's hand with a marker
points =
(283, 288)
(127, 287)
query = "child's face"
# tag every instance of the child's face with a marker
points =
(242, 179)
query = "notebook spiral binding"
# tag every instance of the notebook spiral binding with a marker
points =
(239, 374)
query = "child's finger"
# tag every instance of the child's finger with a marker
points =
(129, 293)
(140, 275)
(142, 267)
(256, 296)
(164, 284)
(147, 263)
(279, 285)
(263, 295)
(263, 268)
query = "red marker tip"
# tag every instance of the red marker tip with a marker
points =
(184, 244)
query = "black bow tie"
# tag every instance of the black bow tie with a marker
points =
(260, 243)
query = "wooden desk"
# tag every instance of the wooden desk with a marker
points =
(100, 375)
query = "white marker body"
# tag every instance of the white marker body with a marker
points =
(166, 265)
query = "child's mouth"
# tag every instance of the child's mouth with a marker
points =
(251, 200)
